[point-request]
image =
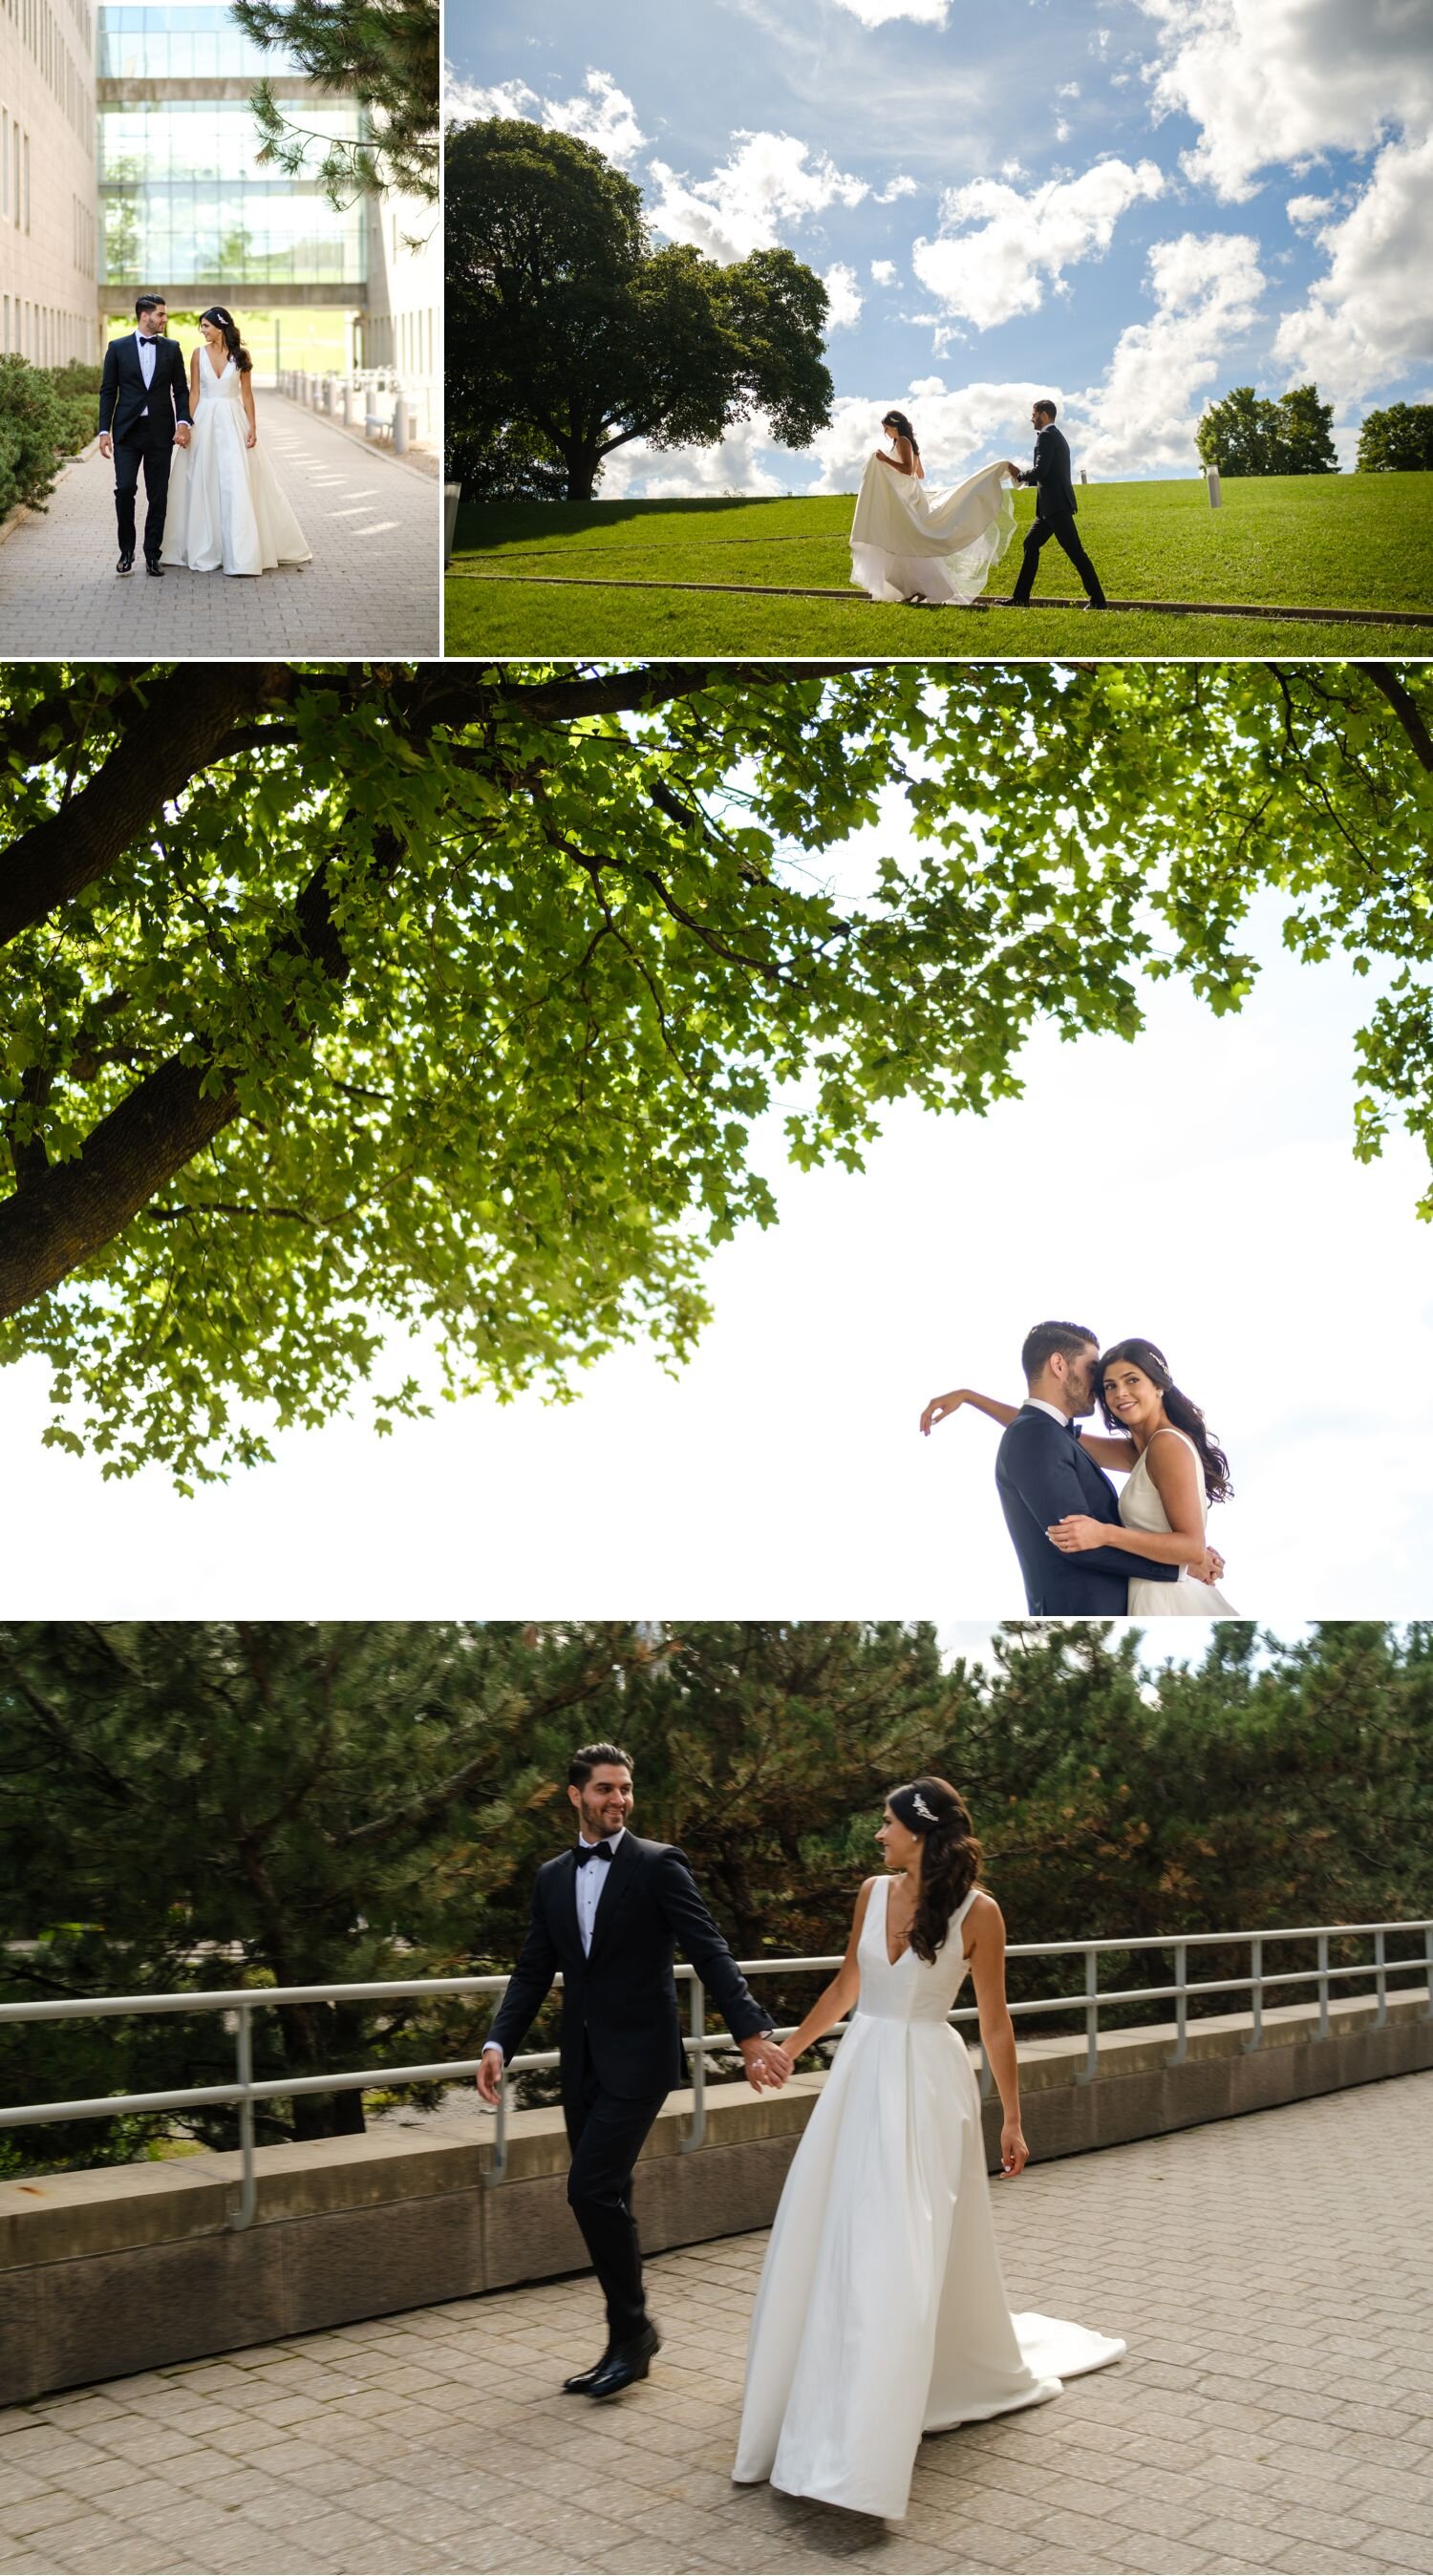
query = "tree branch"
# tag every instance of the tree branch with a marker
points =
(1384, 678)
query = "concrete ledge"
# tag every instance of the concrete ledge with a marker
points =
(134, 2267)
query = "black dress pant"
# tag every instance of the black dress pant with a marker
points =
(150, 445)
(606, 2135)
(1066, 535)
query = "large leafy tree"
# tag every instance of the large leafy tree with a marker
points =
(1398, 439)
(339, 1003)
(565, 326)
(1245, 433)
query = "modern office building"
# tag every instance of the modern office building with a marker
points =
(399, 325)
(48, 210)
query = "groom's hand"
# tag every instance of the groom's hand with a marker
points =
(106, 443)
(767, 2063)
(489, 2077)
(181, 434)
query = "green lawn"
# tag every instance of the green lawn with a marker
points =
(1338, 541)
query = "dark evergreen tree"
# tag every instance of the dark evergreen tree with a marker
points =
(385, 54)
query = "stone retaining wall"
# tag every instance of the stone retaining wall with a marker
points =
(131, 2267)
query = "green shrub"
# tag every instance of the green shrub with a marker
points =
(46, 414)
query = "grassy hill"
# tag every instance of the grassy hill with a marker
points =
(1345, 542)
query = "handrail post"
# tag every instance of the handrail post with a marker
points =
(1256, 1993)
(497, 2170)
(1181, 2004)
(1323, 1985)
(1380, 1971)
(243, 2203)
(1086, 2074)
(697, 2132)
(1428, 1972)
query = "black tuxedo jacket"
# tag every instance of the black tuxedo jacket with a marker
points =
(1050, 474)
(620, 2001)
(122, 388)
(1041, 1473)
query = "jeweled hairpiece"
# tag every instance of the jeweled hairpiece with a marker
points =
(919, 1804)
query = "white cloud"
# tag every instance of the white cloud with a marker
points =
(1306, 211)
(1272, 81)
(844, 296)
(902, 186)
(1206, 290)
(959, 429)
(697, 473)
(603, 115)
(1369, 319)
(997, 248)
(769, 179)
(1068, 89)
(878, 13)
(884, 272)
(1063, 131)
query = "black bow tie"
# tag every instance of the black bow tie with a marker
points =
(1073, 1429)
(592, 1851)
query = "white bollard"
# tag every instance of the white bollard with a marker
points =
(451, 493)
(1212, 479)
(400, 421)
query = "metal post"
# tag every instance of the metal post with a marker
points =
(1086, 2074)
(1212, 479)
(400, 421)
(243, 2203)
(1380, 1971)
(697, 2132)
(452, 493)
(1428, 1973)
(1323, 1985)
(498, 2168)
(1181, 2004)
(1256, 1993)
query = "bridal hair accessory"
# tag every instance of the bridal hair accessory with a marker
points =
(919, 1804)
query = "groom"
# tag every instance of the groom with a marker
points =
(1055, 507)
(608, 1913)
(144, 410)
(1043, 1471)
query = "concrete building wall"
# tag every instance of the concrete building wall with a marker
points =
(48, 197)
(401, 326)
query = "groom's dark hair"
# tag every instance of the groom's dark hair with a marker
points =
(1046, 409)
(1043, 1340)
(147, 304)
(589, 1758)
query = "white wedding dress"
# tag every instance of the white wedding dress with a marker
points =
(1141, 1509)
(881, 2313)
(902, 542)
(227, 511)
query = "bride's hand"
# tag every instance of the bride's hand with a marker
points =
(938, 1408)
(253, 439)
(1076, 1532)
(1014, 2154)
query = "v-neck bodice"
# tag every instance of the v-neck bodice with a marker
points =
(907, 1989)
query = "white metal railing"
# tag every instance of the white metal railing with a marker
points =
(240, 2003)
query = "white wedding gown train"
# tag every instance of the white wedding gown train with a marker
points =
(1141, 1509)
(903, 542)
(228, 511)
(881, 2312)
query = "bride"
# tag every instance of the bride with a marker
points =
(905, 546)
(227, 509)
(1174, 1467)
(881, 2313)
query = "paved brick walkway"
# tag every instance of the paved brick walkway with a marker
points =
(1274, 2277)
(372, 587)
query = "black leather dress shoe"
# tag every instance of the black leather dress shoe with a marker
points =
(153, 564)
(581, 2380)
(125, 564)
(625, 2364)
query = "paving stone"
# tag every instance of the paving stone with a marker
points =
(371, 589)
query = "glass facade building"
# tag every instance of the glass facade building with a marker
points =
(183, 197)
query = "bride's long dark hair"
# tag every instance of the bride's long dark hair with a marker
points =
(950, 1858)
(897, 421)
(1182, 1410)
(226, 323)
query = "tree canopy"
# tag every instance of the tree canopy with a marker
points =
(1398, 439)
(568, 334)
(385, 54)
(339, 1004)
(1247, 434)
(190, 1805)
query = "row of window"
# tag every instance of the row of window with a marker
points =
(38, 28)
(82, 236)
(400, 340)
(43, 334)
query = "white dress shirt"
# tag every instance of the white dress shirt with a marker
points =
(591, 1879)
(1053, 1410)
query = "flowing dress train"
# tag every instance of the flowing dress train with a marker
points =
(881, 2312)
(228, 511)
(903, 543)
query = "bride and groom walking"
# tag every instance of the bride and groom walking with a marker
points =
(904, 546)
(1083, 1552)
(212, 500)
(881, 2315)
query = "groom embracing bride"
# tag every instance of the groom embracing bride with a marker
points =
(144, 415)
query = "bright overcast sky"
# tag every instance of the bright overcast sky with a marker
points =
(1129, 204)
(1198, 1186)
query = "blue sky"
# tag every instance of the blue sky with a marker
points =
(1129, 204)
